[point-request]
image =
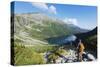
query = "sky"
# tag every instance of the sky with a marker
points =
(81, 16)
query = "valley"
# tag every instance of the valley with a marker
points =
(40, 39)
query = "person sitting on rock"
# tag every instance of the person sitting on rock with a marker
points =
(80, 48)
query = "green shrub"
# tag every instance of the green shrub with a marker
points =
(60, 51)
(25, 55)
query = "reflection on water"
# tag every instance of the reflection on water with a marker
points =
(62, 40)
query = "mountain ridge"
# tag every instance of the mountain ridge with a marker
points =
(39, 26)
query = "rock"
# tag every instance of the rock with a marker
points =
(91, 57)
(88, 57)
(60, 60)
(71, 56)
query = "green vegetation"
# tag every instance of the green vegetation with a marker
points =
(52, 57)
(92, 37)
(30, 38)
(30, 54)
(55, 55)
(26, 56)
(41, 28)
(61, 51)
(92, 42)
(42, 48)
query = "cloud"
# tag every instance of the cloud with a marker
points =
(45, 7)
(52, 9)
(42, 6)
(73, 21)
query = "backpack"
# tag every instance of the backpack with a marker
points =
(81, 47)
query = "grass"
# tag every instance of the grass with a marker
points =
(42, 48)
(60, 51)
(25, 55)
(55, 55)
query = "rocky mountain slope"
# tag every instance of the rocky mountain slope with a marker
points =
(34, 28)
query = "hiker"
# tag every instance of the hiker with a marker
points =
(80, 49)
